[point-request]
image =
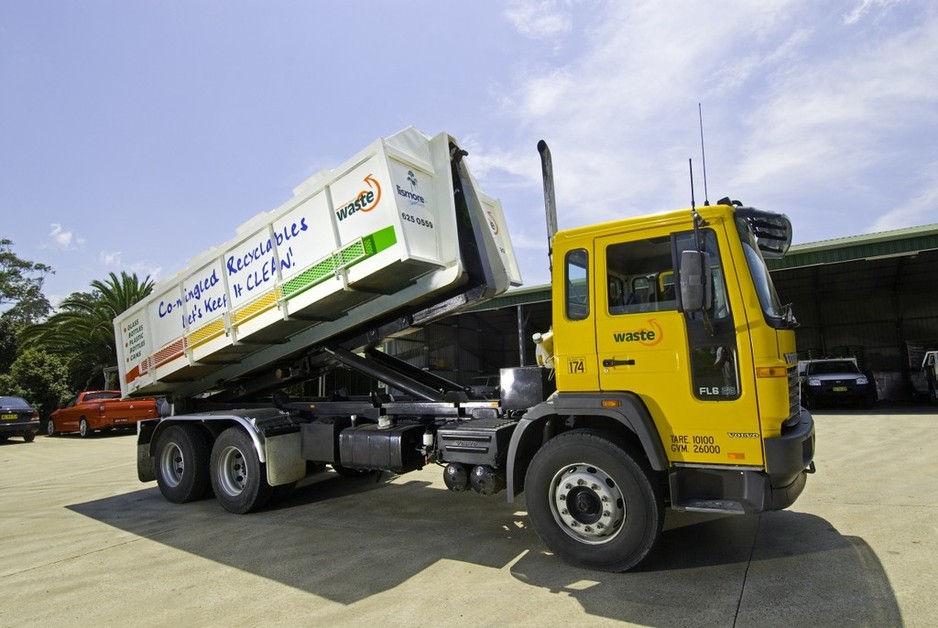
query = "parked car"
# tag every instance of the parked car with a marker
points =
(95, 410)
(930, 371)
(18, 418)
(485, 386)
(835, 381)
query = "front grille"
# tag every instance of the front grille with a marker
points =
(794, 392)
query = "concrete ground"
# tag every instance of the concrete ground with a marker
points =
(83, 543)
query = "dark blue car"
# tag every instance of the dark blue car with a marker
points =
(18, 418)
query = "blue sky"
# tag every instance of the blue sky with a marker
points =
(135, 134)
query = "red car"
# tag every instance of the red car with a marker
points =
(100, 410)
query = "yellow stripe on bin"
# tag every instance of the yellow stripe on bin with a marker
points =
(254, 308)
(206, 332)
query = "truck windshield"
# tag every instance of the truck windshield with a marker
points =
(777, 315)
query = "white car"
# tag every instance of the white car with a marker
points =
(835, 381)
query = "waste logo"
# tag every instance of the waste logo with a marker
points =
(645, 336)
(364, 201)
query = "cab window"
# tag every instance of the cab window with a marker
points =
(576, 285)
(713, 353)
(640, 276)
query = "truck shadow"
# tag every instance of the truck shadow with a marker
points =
(328, 540)
(779, 568)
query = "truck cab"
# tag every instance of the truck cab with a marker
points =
(672, 349)
(716, 381)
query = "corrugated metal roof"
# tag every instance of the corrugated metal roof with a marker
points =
(867, 246)
(884, 244)
(512, 298)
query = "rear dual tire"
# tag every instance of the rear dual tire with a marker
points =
(239, 478)
(188, 465)
(182, 457)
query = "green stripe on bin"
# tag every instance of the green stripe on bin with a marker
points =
(346, 257)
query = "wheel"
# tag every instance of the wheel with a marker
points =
(29, 437)
(50, 428)
(238, 476)
(182, 459)
(593, 502)
(84, 430)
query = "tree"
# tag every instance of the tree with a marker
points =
(38, 377)
(8, 347)
(21, 286)
(82, 332)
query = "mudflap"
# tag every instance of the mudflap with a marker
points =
(285, 462)
(146, 465)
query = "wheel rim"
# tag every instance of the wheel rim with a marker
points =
(587, 503)
(50, 428)
(83, 428)
(233, 473)
(172, 465)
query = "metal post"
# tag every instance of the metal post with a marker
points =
(521, 357)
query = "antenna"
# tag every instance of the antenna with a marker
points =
(703, 156)
(690, 166)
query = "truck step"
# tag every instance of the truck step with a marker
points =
(710, 505)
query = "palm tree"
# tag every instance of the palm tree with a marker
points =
(82, 330)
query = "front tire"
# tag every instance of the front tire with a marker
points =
(238, 476)
(50, 428)
(182, 459)
(593, 502)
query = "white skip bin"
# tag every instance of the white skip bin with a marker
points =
(375, 234)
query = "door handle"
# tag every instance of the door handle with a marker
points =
(611, 363)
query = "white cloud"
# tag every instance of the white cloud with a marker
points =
(837, 119)
(146, 269)
(540, 19)
(803, 108)
(864, 7)
(64, 238)
(917, 210)
(110, 258)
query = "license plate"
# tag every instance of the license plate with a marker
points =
(9, 417)
(840, 389)
(120, 420)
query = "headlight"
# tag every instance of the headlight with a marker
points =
(814, 382)
(862, 380)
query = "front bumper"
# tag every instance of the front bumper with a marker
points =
(18, 428)
(841, 393)
(788, 459)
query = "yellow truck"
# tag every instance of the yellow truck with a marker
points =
(673, 359)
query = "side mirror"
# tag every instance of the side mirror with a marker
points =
(696, 284)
